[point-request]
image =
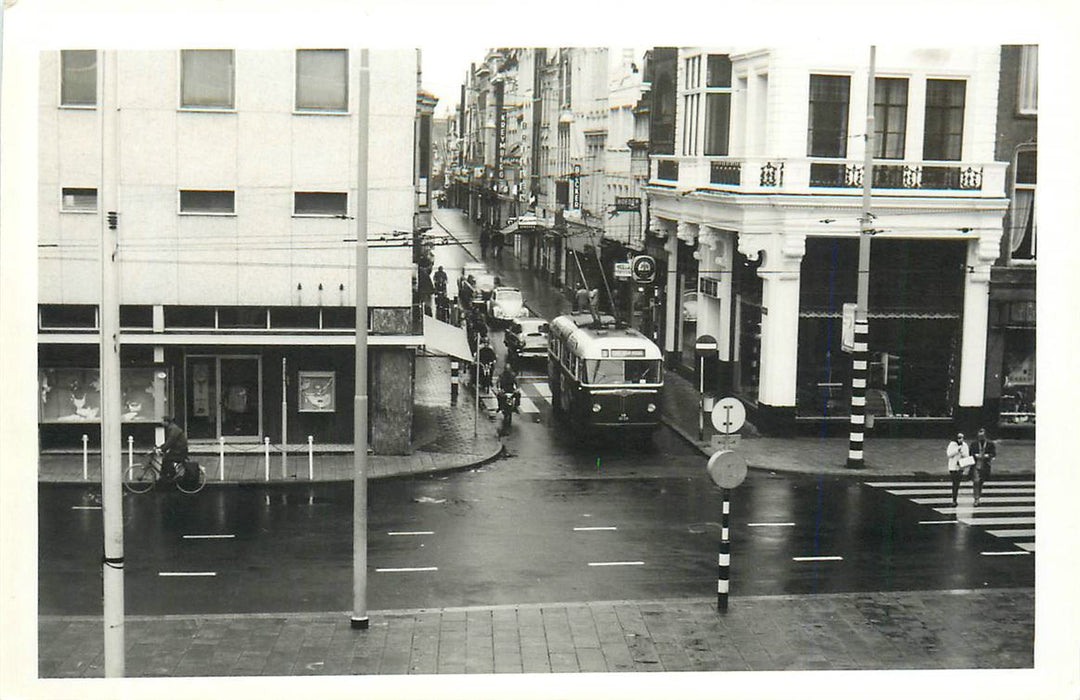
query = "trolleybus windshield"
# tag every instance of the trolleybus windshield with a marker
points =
(622, 371)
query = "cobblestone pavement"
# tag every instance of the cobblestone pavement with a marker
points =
(909, 630)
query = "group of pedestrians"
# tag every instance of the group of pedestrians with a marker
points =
(974, 457)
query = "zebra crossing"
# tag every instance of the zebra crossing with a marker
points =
(1006, 508)
(535, 393)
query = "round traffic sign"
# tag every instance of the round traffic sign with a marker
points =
(644, 268)
(727, 469)
(728, 415)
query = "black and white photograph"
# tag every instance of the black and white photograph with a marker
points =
(419, 351)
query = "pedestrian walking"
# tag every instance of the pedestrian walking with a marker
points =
(983, 451)
(485, 239)
(497, 241)
(959, 458)
(581, 298)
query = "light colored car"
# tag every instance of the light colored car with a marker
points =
(527, 337)
(506, 304)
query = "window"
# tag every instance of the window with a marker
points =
(1027, 99)
(241, 317)
(1022, 222)
(717, 105)
(890, 117)
(67, 316)
(294, 317)
(78, 199)
(189, 317)
(207, 202)
(132, 316)
(319, 203)
(322, 80)
(691, 105)
(692, 80)
(78, 78)
(944, 119)
(827, 129)
(206, 79)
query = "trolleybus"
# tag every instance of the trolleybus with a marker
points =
(603, 376)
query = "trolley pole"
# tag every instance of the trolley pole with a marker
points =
(112, 504)
(360, 400)
(861, 355)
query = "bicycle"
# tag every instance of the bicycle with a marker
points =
(189, 477)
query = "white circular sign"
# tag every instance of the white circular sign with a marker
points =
(728, 415)
(727, 469)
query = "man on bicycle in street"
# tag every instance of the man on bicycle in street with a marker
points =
(174, 451)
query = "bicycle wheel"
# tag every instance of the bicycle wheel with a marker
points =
(193, 480)
(140, 478)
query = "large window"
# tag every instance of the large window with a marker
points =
(827, 127)
(206, 79)
(890, 117)
(1022, 224)
(717, 105)
(320, 203)
(78, 78)
(944, 119)
(322, 80)
(80, 199)
(207, 202)
(691, 106)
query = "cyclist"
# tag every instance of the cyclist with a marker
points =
(508, 382)
(174, 451)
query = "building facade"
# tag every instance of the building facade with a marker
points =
(758, 213)
(232, 188)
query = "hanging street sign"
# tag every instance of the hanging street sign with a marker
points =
(622, 270)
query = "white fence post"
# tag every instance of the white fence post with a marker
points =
(85, 441)
(310, 458)
(266, 450)
(221, 459)
(131, 451)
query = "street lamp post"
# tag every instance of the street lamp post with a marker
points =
(861, 355)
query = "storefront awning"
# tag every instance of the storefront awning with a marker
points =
(523, 224)
(446, 339)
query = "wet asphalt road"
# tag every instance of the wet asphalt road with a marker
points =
(509, 532)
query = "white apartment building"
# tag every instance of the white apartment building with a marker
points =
(234, 184)
(758, 212)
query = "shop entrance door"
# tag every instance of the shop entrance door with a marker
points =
(224, 397)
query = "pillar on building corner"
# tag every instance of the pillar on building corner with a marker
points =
(971, 411)
(716, 252)
(780, 273)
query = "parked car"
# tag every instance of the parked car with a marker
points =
(505, 305)
(526, 337)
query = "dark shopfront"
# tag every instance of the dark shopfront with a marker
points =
(233, 393)
(915, 309)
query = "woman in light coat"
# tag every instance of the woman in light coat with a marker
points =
(956, 451)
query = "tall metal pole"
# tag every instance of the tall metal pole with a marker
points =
(360, 400)
(112, 563)
(284, 420)
(860, 357)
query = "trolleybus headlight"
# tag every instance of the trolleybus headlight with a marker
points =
(596, 408)
(651, 408)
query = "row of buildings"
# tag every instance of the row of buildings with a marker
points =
(740, 171)
(232, 188)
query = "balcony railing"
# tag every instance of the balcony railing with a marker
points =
(812, 176)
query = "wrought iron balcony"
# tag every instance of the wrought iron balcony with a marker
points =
(908, 176)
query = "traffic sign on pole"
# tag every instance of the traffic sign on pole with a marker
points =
(727, 469)
(728, 415)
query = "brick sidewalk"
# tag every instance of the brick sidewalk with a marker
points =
(906, 630)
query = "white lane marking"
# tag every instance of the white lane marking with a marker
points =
(770, 524)
(417, 532)
(187, 573)
(829, 558)
(86, 507)
(1003, 554)
(946, 490)
(912, 484)
(616, 563)
(938, 522)
(1029, 546)
(527, 405)
(997, 521)
(1012, 533)
(590, 529)
(972, 510)
(970, 499)
(209, 537)
(406, 569)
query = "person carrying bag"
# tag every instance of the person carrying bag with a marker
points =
(959, 458)
(983, 451)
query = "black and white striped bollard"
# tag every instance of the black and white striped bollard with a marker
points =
(859, 374)
(724, 564)
(455, 369)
